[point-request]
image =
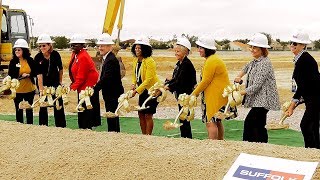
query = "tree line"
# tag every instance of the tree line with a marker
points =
(62, 42)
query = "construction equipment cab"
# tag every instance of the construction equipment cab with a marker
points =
(14, 25)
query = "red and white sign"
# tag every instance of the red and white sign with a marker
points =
(255, 167)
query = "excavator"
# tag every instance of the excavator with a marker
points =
(14, 25)
(113, 8)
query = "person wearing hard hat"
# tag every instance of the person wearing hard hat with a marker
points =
(83, 74)
(23, 67)
(110, 80)
(50, 72)
(260, 94)
(183, 79)
(214, 78)
(144, 77)
(306, 86)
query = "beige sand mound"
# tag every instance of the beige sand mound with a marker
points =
(34, 152)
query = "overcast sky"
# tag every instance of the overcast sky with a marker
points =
(231, 19)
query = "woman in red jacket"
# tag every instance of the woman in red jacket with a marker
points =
(83, 74)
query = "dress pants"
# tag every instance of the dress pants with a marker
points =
(19, 112)
(113, 123)
(88, 118)
(185, 129)
(59, 116)
(310, 123)
(254, 125)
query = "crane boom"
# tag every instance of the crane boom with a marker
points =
(110, 18)
(111, 14)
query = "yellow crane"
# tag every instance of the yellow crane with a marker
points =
(113, 8)
(14, 25)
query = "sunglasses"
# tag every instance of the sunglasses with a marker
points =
(253, 48)
(40, 46)
(18, 50)
(293, 43)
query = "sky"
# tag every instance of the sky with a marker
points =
(161, 19)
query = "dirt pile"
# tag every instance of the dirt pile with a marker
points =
(35, 152)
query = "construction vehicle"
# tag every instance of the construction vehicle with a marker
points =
(110, 18)
(113, 8)
(14, 25)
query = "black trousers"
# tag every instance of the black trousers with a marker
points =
(113, 123)
(88, 118)
(59, 116)
(185, 129)
(254, 125)
(95, 101)
(310, 123)
(19, 112)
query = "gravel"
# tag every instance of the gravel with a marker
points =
(40, 152)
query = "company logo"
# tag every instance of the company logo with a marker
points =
(249, 173)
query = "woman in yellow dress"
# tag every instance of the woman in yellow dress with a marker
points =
(214, 79)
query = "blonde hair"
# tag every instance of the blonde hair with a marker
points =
(184, 49)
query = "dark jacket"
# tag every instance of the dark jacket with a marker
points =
(14, 70)
(307, 77)
(110, 79)
(183, 78)
(49, 68)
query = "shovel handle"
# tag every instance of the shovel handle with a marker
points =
(145, 102)
(282, 119)
(177, 117)
(226, 108)
(118, 108)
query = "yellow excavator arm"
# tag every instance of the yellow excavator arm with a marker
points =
(111, 14)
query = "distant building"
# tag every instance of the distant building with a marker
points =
(310, 46)
(237, 46)
(276, 46)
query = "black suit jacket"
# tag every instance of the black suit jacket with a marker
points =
(307, 77)
(183, 78)
(110, 79)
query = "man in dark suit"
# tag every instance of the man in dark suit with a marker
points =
(110, 80)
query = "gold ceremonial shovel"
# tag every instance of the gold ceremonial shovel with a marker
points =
(169, 125)
(143, 106)
(277, 126)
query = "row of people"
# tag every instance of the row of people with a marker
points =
(261, 94)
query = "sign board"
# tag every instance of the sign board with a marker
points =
(255, 167)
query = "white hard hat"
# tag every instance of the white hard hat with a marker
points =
(206, 42)
(299, 36)
(104, 39)
(142, 40)
(77, 39)
(259, 40)
(184, 42)
(44, 38)
(21, 43)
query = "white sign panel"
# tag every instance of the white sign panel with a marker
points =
(255, 167)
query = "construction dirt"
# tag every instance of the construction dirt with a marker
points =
(35, 152)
